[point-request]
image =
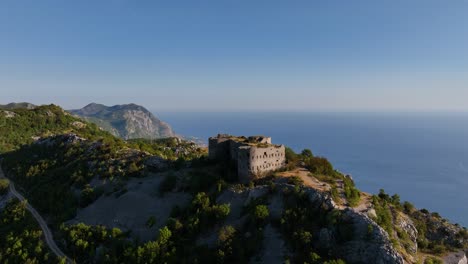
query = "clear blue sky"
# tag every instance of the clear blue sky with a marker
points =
(237, 55)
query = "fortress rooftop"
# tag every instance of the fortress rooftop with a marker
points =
(257, 141)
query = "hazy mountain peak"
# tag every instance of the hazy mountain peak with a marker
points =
(18, 105)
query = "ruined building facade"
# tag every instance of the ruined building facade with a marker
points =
(254, 156)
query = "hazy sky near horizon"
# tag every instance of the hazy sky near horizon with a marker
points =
(237, 55)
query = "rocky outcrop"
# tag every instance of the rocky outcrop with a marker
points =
(369, 243)
(79, 124)
(406, 225)
(53, 140)
(439, 229)
(8, 114)
(456, 258)
(125, 121)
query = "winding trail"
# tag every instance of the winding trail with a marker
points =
(42, 223)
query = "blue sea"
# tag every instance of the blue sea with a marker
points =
(421, 156)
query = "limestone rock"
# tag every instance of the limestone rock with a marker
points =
(407, 225)
(79, 124)
(9, 114)
(456, 258)
(125, 121)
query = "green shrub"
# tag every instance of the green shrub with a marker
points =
(433, 260)
(352, 194)
(335, 194)
(261, 212)
(408, 207)
(291, 156)
(438, 248)
(384, 215)
(221, 211)
(319, 165)
(295, 180)
(4, 184)
(226, 234)
(89, 195)
(306, 153)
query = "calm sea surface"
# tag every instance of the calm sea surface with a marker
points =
(422, 157)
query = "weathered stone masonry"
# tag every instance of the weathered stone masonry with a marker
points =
(254, 156)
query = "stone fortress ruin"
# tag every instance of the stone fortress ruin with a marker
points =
(255, 156)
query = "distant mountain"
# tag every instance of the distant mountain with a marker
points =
(126, 121)
(18, 106)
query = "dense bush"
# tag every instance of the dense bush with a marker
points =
(383, 212)
(432, 260)
(352, 194)
(306, 153)
(20, 236)
(319, 165)
(291, 158)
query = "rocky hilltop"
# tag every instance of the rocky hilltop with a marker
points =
(127, 121)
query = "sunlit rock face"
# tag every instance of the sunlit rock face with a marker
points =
(125, 121)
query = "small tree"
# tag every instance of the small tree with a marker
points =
(261, 212)
(307, 153)
(319, 165)
(221, 211)
(226, 233)
(408, 207)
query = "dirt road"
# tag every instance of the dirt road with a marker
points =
(45, 229)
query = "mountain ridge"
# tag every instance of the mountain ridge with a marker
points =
(19, 105)
(128, 121)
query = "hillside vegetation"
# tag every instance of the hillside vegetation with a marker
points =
(68, 167)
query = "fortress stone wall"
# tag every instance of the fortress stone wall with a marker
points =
(255, 156)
